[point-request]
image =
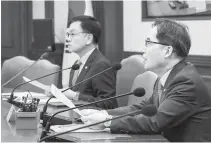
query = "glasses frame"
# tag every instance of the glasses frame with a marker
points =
(154, 43)
(71, 35)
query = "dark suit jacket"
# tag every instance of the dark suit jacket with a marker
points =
(99, 87)
(184, 113)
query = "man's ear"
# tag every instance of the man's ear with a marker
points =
(90, 38)
(169, 51)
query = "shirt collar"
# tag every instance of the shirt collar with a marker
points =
(164, 77)
(86, 56)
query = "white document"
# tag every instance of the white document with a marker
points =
(63, 128)
(60, 96)
(36, 83)
(11, 114)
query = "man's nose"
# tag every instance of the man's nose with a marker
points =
(69, 39)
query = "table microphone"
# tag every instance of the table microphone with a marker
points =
(43, 56)
(74, 67)
(139, 92)
(116, 66)
(148, 110)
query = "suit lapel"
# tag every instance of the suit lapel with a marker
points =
(87, 66)
(176, 69)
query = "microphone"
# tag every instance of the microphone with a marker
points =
(148, 110)
(139, 92)
(116, 66)
(74, 67)
(43, 56)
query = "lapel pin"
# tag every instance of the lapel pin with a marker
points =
(86, 67)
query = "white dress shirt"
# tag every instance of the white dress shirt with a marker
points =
(84, 59)
(164, 77)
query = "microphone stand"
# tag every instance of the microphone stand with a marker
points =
(11, 96)
(115, 67)
(47, 127)
(87, 79)
(46, 104)
(41, 57)
(144, 111)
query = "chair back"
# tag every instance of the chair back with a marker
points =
(131, 67)
(12, 67)
(207, 81)
(42, 68)
(146, 81)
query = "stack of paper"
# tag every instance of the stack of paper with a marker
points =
(63, 128)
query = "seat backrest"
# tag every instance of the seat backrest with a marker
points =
(207, 81)
(146, 81)
(131, 67)
(42, 68)
(11, 67)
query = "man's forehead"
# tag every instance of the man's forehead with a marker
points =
(152, 33)
(75, 26)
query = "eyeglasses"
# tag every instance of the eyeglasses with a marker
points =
(148, 42)
(73, 34)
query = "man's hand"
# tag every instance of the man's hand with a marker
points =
(71, 94)
(95, 118)
(48, 92)
(86, 112)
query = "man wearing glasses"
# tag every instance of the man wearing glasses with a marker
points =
(180, 95)
(82, 37)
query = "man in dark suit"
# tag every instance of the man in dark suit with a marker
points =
(82, 37)
(180, 95)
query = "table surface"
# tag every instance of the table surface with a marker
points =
(9, 133)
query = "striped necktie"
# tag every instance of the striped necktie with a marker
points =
(160, 90)
(74, 74)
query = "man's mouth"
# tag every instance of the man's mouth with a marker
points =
(67, 46)
(144, 61)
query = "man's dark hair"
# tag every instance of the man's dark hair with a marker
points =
(174, 34)
(90, 25)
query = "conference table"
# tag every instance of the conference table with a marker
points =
(9, 133)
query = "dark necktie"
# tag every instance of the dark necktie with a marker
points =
(74, 74)
(160, 90)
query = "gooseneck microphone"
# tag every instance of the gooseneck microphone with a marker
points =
(148, 110)
(139, 92)
(43, 56)
(74, 67)
(116, 66)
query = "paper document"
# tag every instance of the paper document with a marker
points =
(63, 128)
(60, 96)
(36, 83)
